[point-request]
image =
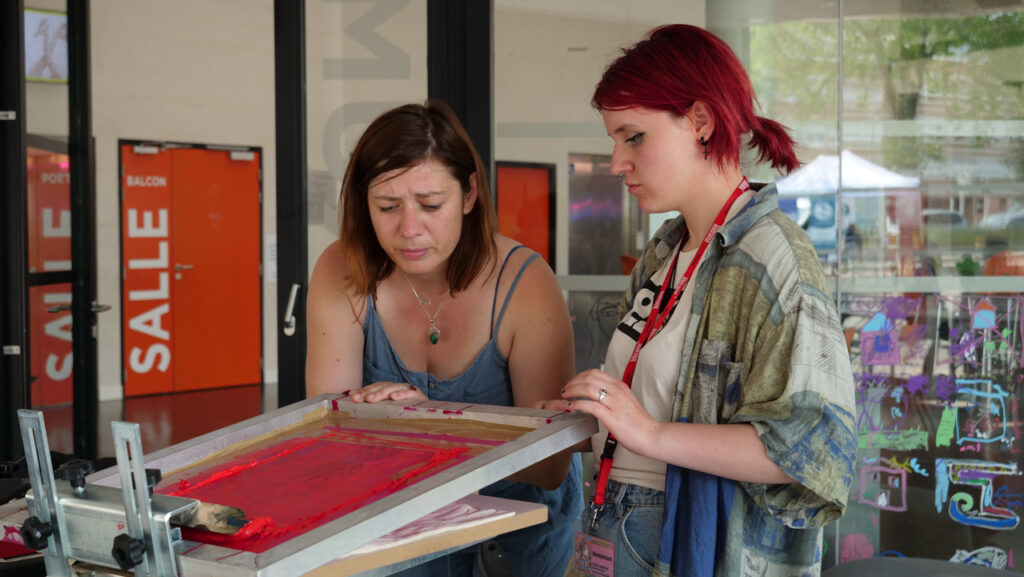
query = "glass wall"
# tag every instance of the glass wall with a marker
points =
(908, 118)
(362, 58)
(49, 218)
(930, 286)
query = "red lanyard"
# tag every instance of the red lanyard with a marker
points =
(654, 323)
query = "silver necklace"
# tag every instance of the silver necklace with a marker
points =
(435, 333)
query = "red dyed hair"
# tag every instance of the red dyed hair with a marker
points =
(676, 65)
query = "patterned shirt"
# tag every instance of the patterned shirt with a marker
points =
(764, 346)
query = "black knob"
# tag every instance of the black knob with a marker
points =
(36, 533)
(128, 551)
(153, 477)
(75, 471)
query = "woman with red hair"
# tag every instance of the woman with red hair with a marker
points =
(726, 400)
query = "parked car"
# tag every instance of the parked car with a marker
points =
(940, 217)
(994, 221)
(1003, 220)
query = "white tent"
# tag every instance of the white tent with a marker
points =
(821, 176)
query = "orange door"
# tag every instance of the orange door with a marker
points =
(216, 268)
(191, 254)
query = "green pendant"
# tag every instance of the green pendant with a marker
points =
(435, 335)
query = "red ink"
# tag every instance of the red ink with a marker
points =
(12, 544)
(185, 486)
(299, 484)
(447, 412)
(408, 408)
(12, 535)
(13, 550)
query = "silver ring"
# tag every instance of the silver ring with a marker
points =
(601, 395)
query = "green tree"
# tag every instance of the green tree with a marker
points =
(968, 68)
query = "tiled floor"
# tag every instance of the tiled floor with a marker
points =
(165, 420)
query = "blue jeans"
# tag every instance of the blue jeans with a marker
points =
(631, 519)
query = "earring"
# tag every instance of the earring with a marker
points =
(704, 142)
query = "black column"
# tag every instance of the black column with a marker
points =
(14, 390)
(292, 217)
(83, 233)
(460, 67)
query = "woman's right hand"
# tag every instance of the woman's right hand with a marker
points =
(614, 404)
(387, 392)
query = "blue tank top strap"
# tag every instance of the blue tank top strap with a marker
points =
(494, 301)
(495, 325)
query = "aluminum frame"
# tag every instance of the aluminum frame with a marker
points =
(551, 432)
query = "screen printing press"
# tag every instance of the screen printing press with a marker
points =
(323, 488)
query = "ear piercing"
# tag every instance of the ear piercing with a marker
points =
(704, 142)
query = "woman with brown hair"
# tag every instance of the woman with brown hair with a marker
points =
(422, 298)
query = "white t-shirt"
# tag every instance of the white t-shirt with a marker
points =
(657, 367)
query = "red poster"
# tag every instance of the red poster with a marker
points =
(146, 262)
(49, 240)
(51, 344)
(524, 206)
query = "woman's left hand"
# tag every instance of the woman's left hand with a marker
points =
(552, 405)
(387, 392)
(615, 405)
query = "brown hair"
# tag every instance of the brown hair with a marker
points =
(404, 137)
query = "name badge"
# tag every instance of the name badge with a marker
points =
(593, 557)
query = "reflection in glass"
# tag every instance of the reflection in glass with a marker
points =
(603, 219)
(594, 316)
(927, 184)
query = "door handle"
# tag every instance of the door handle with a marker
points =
(179, 266)
(96, 308)
(289, 318)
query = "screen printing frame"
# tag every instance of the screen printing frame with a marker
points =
(551, 432)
